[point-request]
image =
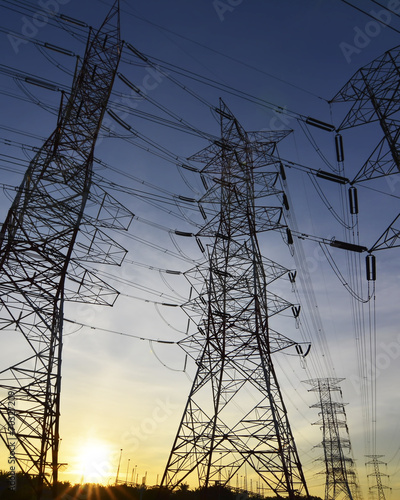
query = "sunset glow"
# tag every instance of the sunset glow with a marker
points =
(94, 462)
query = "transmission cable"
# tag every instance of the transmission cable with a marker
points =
(231, 90)
(171, 198)
(325, 201)
(340, 276)
(165, 365)
(143, 288)
(54, 62)
(107, 330)
(311, 301)
(33, 9)
(247, 65)
(313, 143)
(369, 15)
(386, 7)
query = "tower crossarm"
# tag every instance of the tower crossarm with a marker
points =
(374, 94)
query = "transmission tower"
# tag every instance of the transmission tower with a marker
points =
(374, 94)
(341, 479)
(235, 421)
(41, 267)
(379, 487)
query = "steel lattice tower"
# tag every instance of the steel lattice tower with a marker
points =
(341, 479)
(39, 266)
(235, 419)
(374, 94)
(379, 487)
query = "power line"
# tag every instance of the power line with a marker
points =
(369, 15)
(386, 7)
(116, 332)
(226, 56)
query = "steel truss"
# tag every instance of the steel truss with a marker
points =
(235, 421)
(379, 487)
(45, 241)
(374, 92)
(341, 481)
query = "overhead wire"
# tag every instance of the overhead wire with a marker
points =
(33, 99)
(166, 110)
(316, 330)
(386, 7)
(117, 332)
(174, 158)
(160, 200)
(54, 19)
(167, 75)
(373, 364)
(165, 321)
(312, 141)
(164, 364)
(143, 288)
(360, 321)
(369, 14)
(231, 90)
(340, 276)
(278, 108)
(54, 62)
(153, 268)
(234, 59)
(180, 122)
(161, 249)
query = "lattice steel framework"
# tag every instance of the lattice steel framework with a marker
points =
(341, 480)
(379, 487)
(374, 92)
(235, 421)
(44, 241)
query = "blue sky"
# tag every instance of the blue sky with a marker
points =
(119, 392)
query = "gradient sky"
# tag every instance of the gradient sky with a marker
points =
(124, 393)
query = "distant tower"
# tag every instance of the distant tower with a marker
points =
(379, 486)
(235, 421)
(341, 480)
(40, 268)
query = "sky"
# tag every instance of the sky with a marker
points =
(120, 392)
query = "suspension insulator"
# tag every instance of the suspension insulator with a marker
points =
(201, 246)
(296, 311)
(289, 236)
(202, 211)
(371, 267)
(282, 171)
(299, 349)
(353, 200)
(339, 148)
(285, 201)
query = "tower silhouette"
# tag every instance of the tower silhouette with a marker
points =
(341, 481)
(379, 487)
(40, 268)
(374, 95)
(235, 421)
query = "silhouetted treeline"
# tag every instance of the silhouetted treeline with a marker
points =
(66, 491)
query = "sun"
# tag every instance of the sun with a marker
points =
(95, 462)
